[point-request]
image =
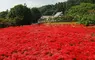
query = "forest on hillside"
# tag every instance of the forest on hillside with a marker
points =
(62, 6)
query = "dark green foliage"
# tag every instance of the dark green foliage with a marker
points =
(48, 12)
(87, 1)
(71, 3)
(21, 15)
(61, 6)
(53, 9)
(36, 14)
(3, 14)
(47, 9)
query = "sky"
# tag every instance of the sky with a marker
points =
(7, 4)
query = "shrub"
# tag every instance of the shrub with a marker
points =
(87, 20)
(81, 9)
(83, 13)
(63, 19)
(4, 23)
(3, 14)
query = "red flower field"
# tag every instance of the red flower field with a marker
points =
(47, 42)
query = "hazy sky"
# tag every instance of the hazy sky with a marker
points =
(7, 4)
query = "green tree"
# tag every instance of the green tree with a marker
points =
(47, 9)
(81, 9)
(61, 6)
(71, 3)
(3, 14)
(20, 15)
(36, 14)
(83, 13)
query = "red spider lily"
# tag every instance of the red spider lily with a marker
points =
(47, 42)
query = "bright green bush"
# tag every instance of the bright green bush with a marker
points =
(83, 13)
(82, 9)
(87, 20)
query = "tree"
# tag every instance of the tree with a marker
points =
(61, 6)
(36, 14)
(71, 3)
(47, 9)
(81, 9)
(3, 14)
(84, 13)
(20, 14)
(87, 1)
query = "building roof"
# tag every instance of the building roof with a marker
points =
(47, 16)
(58, 14)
